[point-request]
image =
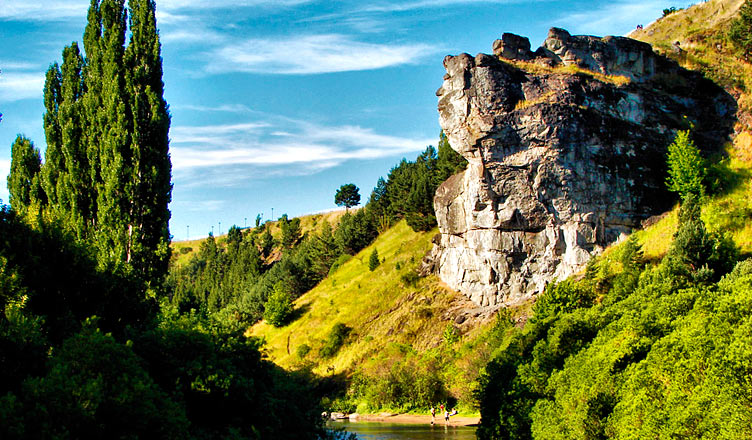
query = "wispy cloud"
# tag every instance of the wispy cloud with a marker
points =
(611, 16)
(313, 54)
(17, 86)
(25, 10)
(400, 6)
(224, 154)
(61, 10)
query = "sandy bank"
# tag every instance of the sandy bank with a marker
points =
(414, 418)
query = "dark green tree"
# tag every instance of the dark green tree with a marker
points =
(686, 167)
(347, 195)
(291, 233)
(740, 31)
(24, 179)
(449, 161)
(267, 242)
(148, 187)
(373, 260)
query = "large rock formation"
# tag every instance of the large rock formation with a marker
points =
(566, 149)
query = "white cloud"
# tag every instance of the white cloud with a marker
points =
(62, 10)
(27, 10)
(226, 155)
(312, 54)
(17, 86)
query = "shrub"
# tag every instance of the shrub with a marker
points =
(278, 306)
(302, 351)
(335, 340)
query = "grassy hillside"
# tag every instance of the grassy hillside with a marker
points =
(697, 39)
(400, 326)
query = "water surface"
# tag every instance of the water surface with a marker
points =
(402, 431)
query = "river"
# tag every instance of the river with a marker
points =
(404, 431)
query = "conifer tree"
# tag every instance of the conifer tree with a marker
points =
(24, 178)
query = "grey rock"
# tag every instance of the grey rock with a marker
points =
(560, 164)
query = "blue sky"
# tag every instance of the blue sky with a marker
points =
(276, 103)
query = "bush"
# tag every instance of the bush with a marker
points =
(302, 351)
(335, 340)
(278, 307)
(410, 278)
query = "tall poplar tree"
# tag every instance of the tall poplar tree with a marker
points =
(107, 171)
(150, 193)
(24, 183)
(53, 156)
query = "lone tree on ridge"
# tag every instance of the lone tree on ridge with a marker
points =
(347, 196)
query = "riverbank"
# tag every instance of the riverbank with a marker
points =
(414, 419)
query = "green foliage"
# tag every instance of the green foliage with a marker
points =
(696, 255)
(302, 351)
(290, 231)
(24, 183)
(686, 167)
(740, 31)
(451, 335)
(373, 260)
(334, 340)
(561, 297)
(669, 11)
(649, 360)
(106, 174)
(278, 306)
(410, 278)
(411, 382)
(347, 195)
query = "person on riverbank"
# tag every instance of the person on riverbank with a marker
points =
(433, 414)
(446, 417)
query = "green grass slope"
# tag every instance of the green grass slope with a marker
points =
(386, 306)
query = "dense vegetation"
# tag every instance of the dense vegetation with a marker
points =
(89, 345)
(632, 350)
(251, 271)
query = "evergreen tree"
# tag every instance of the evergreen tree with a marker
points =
(24, 178)
(740, 31)
(449, 161)
(686, 168)
(267, 242)
(373, 260)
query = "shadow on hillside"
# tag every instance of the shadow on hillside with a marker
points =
(298, 312)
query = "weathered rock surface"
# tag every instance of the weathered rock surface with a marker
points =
(560, 163)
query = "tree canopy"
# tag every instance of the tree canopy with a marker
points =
(347, 195)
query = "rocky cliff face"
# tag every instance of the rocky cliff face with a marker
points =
(566, 149)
